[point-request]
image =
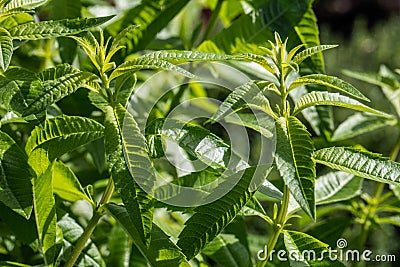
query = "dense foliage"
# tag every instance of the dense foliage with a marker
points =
(150, 138)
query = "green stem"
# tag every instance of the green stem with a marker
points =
(81, 243)
(213, 19)
(278, 227)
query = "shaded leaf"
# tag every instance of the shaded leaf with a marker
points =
(246, 95)
(152, 16)
(226, 250)
(71, 230)
(15, 177)
(336, 186)
(161, 251)
(204, 225)
(360, 123)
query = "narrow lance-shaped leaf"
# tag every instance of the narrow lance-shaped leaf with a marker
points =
(134, 177)
(56, 84)
(58, 28)
(58, 136)
(161, 251)
(336, 186)
(328, 81)
(204, 225)
(294, 162)
(305, 250)
(23, 4)
(300, 57)
(332, 99)
(333, 187)
(45, 214)
(152, 16)
(6, 48)
(360, 123)
(246, 95)
(364, 164)
(15, 177)
(226, 250)
(146, 64)
(178, 57)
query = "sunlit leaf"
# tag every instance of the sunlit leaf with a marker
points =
(363, 164)
(294, 162)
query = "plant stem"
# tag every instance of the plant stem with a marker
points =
(278, 227)
(83, 239)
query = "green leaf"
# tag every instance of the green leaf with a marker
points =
(66, 9)
(45, 214)
(161, 252)
(246, 95)
(58, 136)
(360, 123)
(336, 186)
(204, 225)
(393, 220)
(123, 139)
(372, 78)
(333, 99)
(226, 250)
(308, 33)
(363, 164)
(15, 177)
(23, 4)
(13, 264)
(6, 48)
(328, 81)
(250, 31)
(147, 64)
(56, 83)
(66, 184)
(269, 190)
(178, 56)
(294, 162)
(319, 117)
(258, 122)
(71, 230)
(306, 53)
(58, 28)
(119, 247)
(24, 229)
(314, 251)
(197, 142)
(152, 16)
